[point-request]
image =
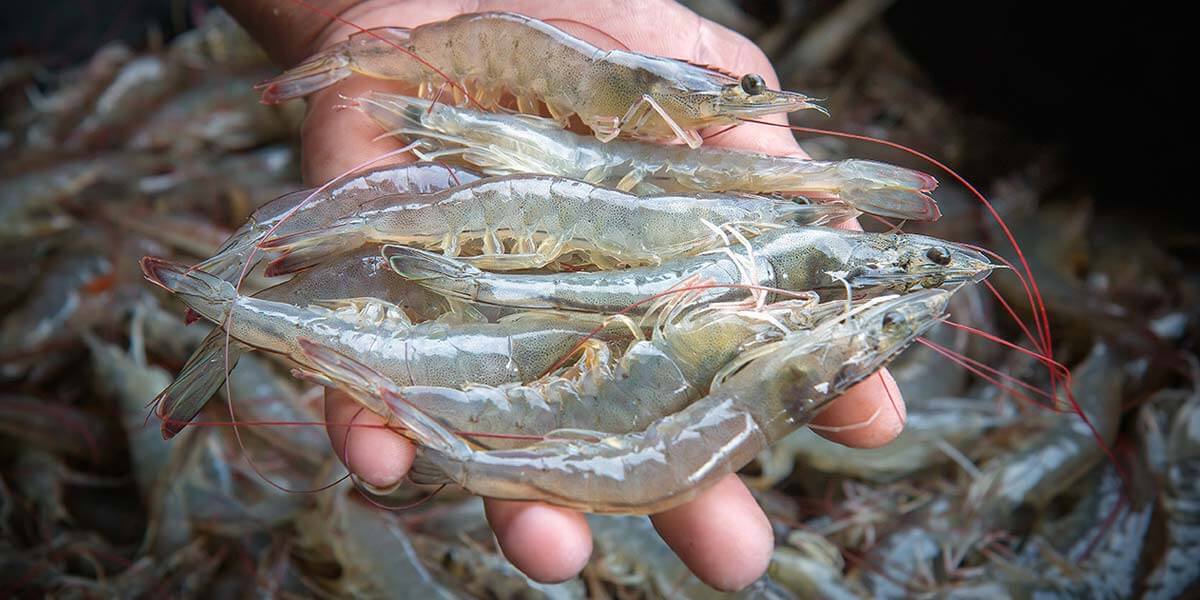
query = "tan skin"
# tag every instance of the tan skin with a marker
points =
(723, 536)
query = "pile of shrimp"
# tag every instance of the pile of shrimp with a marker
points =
(572, 295)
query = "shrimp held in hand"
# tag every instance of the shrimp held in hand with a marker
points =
(492, 53)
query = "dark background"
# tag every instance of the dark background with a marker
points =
(1104, 84)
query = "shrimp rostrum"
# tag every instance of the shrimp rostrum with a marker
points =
(481, 56)
(757, 399)
(529, 221)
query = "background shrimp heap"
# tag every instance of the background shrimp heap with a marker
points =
(996, 487)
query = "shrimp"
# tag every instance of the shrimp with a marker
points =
(1057, 456)
(325, 207)
(378, 332)
(490, 53)
(501, 144)
(811, 567)
(632, 551)
(371, 548)
(357, 275)
(484, 574)
(545, 217)
(756, 400)
(794, 259)
(932, 427)
(653, 379)
(1177, 570)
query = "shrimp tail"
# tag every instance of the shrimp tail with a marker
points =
(309, 248)
(380, 395)
(893, 202)
(889, 191)
(441, 274)
(316, 73)
(203, 292)
(331, 65)
(196, 382)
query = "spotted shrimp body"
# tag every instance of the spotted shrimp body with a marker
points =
(489, 54)
(501, 144)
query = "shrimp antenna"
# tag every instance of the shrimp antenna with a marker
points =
(1038, 306)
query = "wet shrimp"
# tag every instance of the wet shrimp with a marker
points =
(652, 379)
(530, 221)
(325, 207)
(378, 332)
(492, 53)
(500, 144)
(796, 259)
(759, 398)
(362, 274)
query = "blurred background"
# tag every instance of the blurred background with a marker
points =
(130, 128)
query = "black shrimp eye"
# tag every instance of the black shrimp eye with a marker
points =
(938, 255)
(753, 84)
(891, 318)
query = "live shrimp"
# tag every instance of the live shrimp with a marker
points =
(529, 221)
(825, 260)
(765, 395)
(484, 55)
(500, 144)
(304, 210)
(378, 332)
(652, 379)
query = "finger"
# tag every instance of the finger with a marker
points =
(378, 456)
(722, 536)
(868, 415)
(547, 543)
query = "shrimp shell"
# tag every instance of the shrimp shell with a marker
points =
(501, 144)
(529, 221)
(613, 92)
(678, 456)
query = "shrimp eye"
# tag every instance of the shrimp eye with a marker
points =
(891, 318)
(938, 255)
(753, 84)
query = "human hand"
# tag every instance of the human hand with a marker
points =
(723, 536)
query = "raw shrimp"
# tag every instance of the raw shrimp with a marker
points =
(1177, 570)
(1066, 559)
(379, 333)
(1064, 450)
(30, 202)
(529, 221)
(633, 553)
(653, 379)
(371, 549)
(757, 399)
(70, 292)
(327, 206)
(794, 259)
(932, 427)
(810, 566)
(363, 274)
(500, 144)
(485, 574)
(490, 53)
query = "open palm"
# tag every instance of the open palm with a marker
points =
(723, 535)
